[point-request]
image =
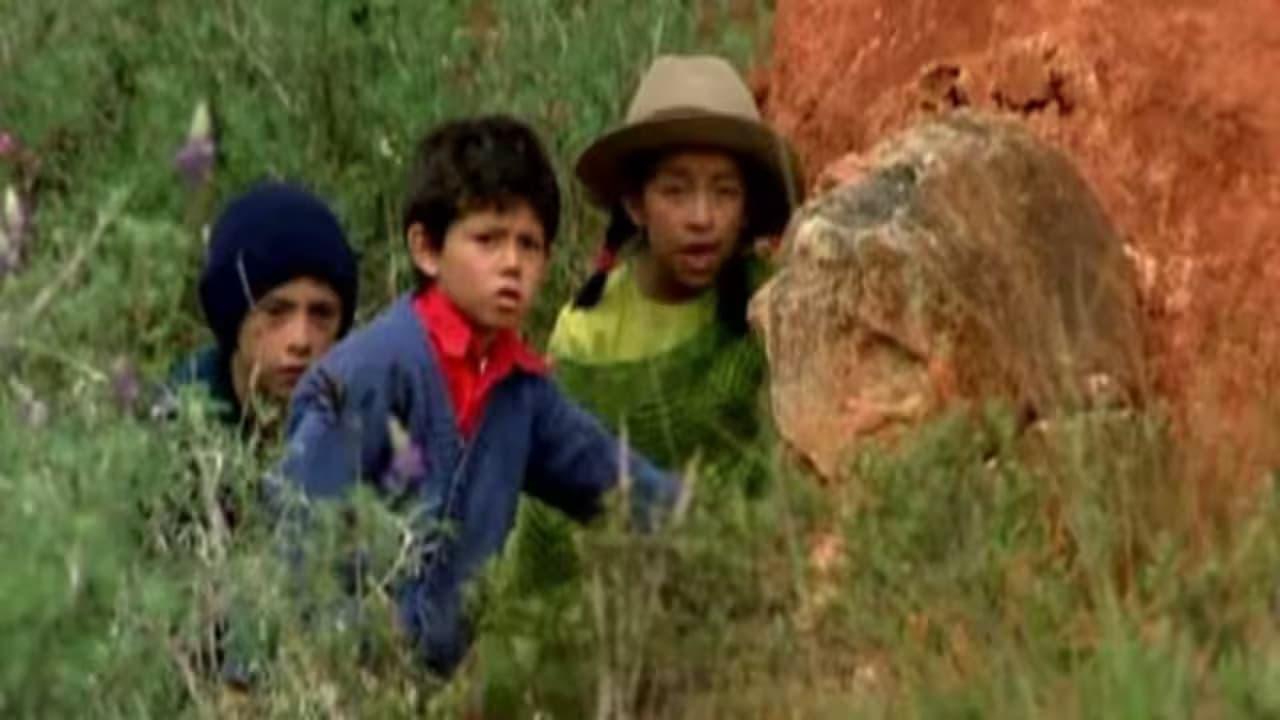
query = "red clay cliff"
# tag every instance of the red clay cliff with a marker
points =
(1169, 110)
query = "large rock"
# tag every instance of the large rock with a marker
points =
(968, 261)
(1166, 107)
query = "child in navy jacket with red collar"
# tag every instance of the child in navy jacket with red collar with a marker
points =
(439, 404)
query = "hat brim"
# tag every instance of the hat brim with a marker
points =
(601, 167)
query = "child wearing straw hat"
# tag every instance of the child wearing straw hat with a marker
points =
(656, 341)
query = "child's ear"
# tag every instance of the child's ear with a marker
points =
(424, 255)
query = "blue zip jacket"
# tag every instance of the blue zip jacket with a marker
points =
(463, 495)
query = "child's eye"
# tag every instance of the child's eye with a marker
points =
(324, 312)
(275, 310)
(731, 192)
(531, 244)
(484, 238)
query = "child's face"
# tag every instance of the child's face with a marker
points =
(693, 211)
(490, 264)
(284, 332)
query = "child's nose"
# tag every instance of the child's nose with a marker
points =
(509, 257)
(700, 212)
(301, 334)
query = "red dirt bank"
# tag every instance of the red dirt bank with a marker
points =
(1169, 109)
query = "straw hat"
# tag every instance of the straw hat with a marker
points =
(696, 101)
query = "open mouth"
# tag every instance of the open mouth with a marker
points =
(509, 298)
(291, 374)
(700, 257)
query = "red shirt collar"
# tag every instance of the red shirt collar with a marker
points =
(456, 338)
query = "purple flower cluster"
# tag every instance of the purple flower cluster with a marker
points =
(407, 464)
(194, 161)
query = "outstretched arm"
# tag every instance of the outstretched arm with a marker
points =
(575, 461)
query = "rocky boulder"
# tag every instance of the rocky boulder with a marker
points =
(967, 260)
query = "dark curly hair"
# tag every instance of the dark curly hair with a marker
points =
(487, 162)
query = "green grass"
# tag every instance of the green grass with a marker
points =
(977, 571)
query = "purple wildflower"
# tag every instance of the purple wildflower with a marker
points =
(194, 160)
(8, 144)
(126, 387)
(407, 463)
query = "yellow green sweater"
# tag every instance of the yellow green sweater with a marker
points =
(669, 377)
